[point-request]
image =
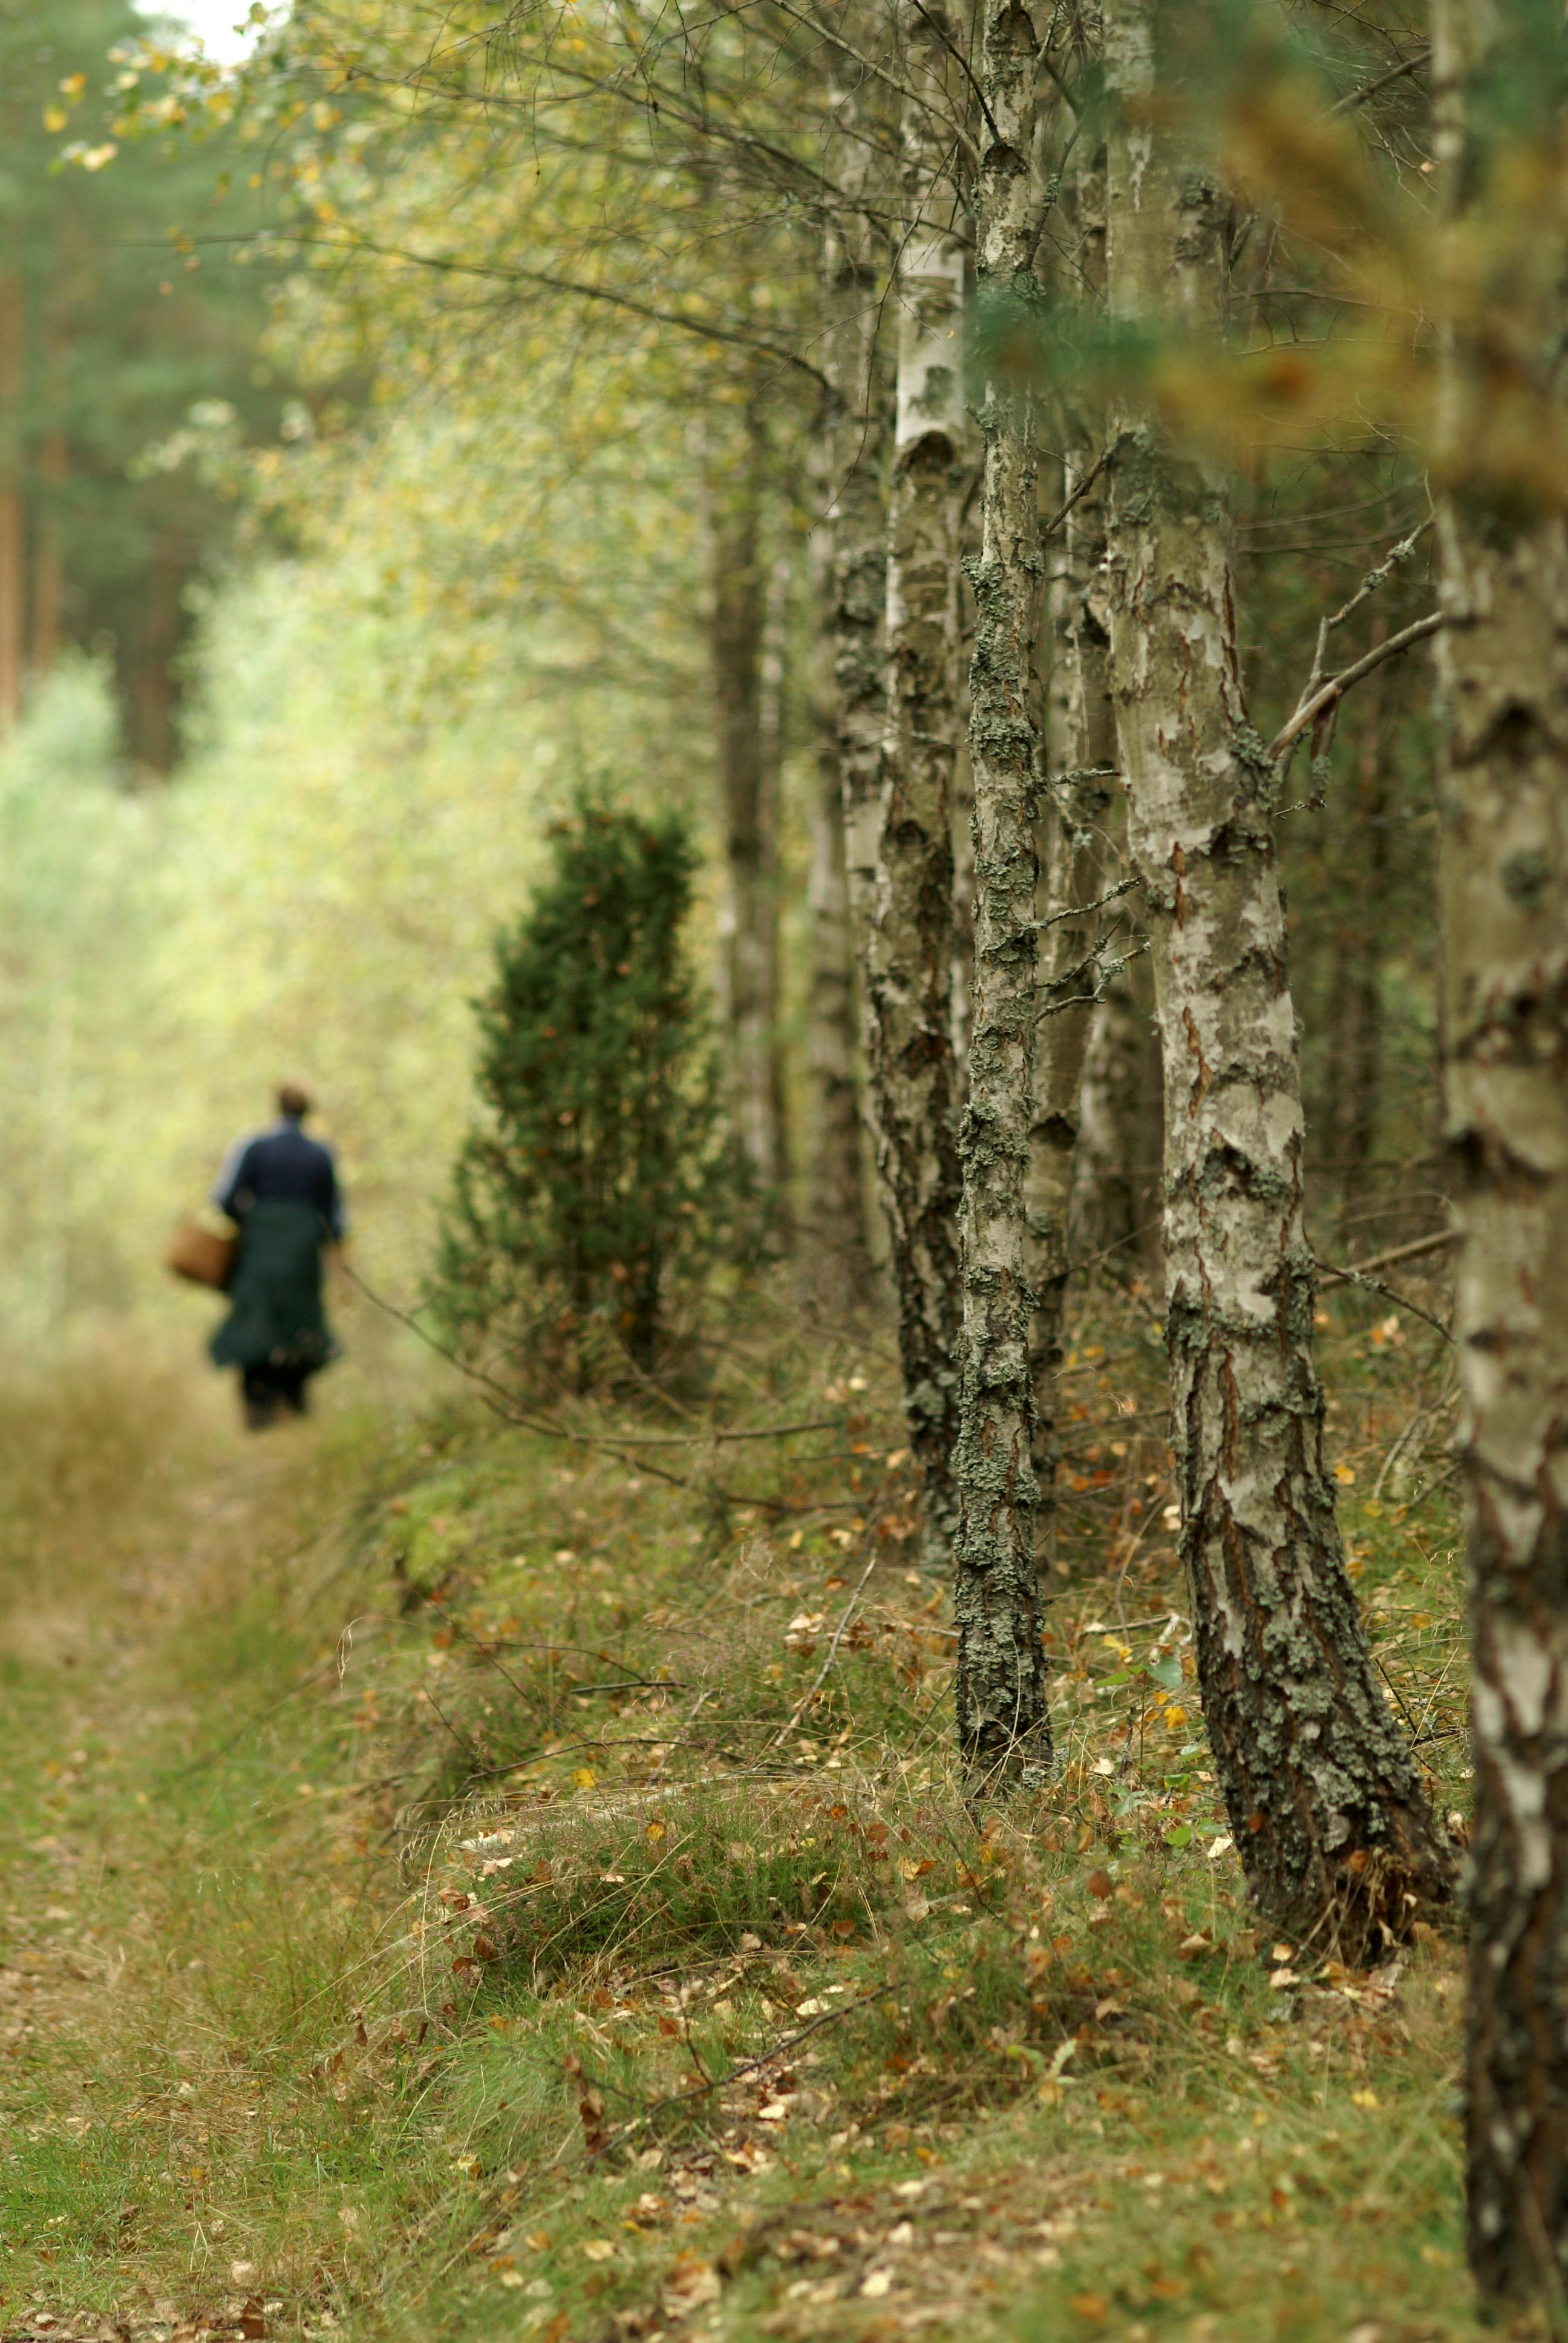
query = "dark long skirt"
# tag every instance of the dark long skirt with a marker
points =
(275, 1333)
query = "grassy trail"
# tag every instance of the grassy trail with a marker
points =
(441, 1893)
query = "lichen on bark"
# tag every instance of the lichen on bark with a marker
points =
(1336, 1838)
(1003, 1723)
(908, 988)
(1503, 796)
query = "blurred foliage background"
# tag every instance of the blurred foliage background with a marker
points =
(376, 455)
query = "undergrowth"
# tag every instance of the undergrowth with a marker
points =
(460, 1880)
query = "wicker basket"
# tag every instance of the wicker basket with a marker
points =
(202, 1256)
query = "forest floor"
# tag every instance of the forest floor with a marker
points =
(457, 1881)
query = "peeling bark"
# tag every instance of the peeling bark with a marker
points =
(1003, 1723)
(1502, 665)
(1335, 1835)
(910, 972)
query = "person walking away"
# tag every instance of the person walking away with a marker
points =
(281, 1189)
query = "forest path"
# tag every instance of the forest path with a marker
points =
(141, 1527)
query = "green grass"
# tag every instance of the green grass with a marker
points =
(445, 1891)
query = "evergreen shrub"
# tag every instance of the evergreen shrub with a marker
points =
(598, 1187)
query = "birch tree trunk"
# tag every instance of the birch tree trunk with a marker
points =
(1502, 663)
(845, 848)
(748, 936)
(1075, 855)
(1003, 1723)
(1116, 1177)
(910, 972)
(1335, 1837)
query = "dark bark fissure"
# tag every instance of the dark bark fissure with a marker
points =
(1336, 1839)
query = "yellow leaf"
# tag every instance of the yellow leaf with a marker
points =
(1346, 1473)
(656, 1831)
(583, 1775)
(1365, 2099)
(55, 117)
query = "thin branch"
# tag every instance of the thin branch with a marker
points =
(1395, 73)
(1090, 477)
(822, 1675)
(1082, 910)
(1412, 1251)
(705, 331)
(1376, 1285)
(1330, 693)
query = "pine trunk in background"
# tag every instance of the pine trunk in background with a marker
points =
(747, 937)
(909, 1003)
(48, 595)
(1003, 1722)
(1076, 856)
(1503, 662)
(48, 558)
(1335, 1835)
(13, 512)
(148, 663)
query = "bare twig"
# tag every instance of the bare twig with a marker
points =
(1090, 477)
(1410, 1252)
(821, 1677)
(1400, 1300)
(1355, 97)
(1329, 694)
(745, 2066)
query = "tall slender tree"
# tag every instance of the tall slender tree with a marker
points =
(909, 986)
(1502, 661)
(738, 485)
(1335, 1835)
(1076, 854)
(855, 435)
(1004, 1726)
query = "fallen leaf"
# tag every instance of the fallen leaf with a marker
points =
(692, 2283)
(599, 2250)
(876, 2283)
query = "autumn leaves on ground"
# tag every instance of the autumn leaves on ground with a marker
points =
(455, 1883)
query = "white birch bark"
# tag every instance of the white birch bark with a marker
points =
(1335, 1834)
(855, 448)
(909, 987)
(1077, 856)
(1503, 665)
(1003, 1723)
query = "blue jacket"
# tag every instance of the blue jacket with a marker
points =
(281, 1166)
